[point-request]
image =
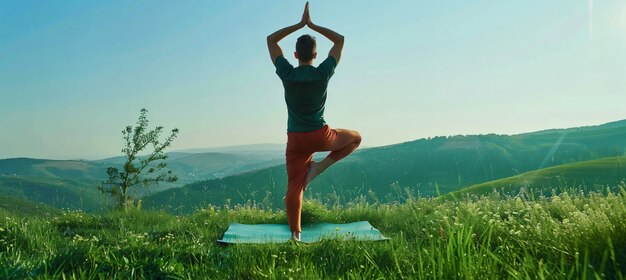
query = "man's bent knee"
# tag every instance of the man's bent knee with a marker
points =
(357, 137)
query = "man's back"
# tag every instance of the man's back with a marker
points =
(305, 92)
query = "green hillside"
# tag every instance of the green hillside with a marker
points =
(58, 193)
(586, 175)
(72, 184)
(15, 206)
(419, 167)
(69, 184)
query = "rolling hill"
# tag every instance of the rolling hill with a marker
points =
(72, 184)
(585, 175)
(23, 207)
(422, 167)
(55, 192)
(42, 168)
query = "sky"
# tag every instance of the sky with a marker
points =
(73, 74)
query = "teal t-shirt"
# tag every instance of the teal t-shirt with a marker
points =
(305, 92)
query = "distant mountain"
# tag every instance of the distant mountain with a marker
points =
(615, 124)
(424, 167)
(194, 166)
(68, 169)
(274, 149)
(203, 166)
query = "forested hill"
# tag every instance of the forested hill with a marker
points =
(424, 166)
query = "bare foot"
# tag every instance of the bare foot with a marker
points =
(311, 173)
(295, 235)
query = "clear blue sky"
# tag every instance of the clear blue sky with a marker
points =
(74, 73)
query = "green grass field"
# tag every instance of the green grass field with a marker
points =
(569, 236)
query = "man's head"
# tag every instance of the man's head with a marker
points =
(306, 49)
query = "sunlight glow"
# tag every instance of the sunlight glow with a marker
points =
(622, 17)
(590, 18)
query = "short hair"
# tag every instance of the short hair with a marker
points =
(305, 47)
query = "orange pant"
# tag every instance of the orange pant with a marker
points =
(300, 149)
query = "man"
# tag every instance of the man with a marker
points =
(305, 95)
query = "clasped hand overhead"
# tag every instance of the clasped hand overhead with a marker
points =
(306, 17)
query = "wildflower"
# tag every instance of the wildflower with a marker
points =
(78, 238)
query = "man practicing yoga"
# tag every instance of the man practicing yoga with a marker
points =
(305, 95)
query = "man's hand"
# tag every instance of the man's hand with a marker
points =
(305, 15)
(309, 23)
(335, 37)
(274, 38)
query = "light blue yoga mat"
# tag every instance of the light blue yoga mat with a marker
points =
(273, 233)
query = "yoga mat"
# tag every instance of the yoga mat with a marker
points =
(274, 233)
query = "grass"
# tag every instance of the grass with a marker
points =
(567, 236)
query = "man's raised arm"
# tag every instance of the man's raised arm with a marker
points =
(274, 38)
(335, 37)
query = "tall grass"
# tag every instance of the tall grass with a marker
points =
(565, 236)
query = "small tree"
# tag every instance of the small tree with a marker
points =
(137, 170)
